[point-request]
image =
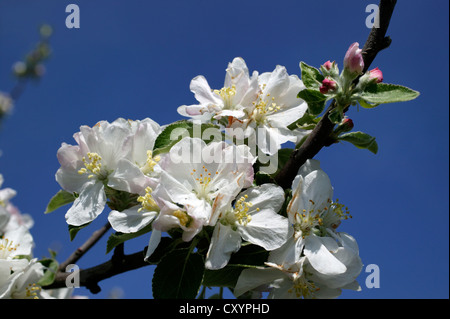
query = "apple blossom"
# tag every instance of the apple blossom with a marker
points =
(284, 283)
(116, 155)
(238, 92)
(254, 219)
(197, 181)
(275, 107)
(314, 218)
(353, 60)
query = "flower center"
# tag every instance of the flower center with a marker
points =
(334, 213)
(262, 107)
(182, 216)
(150, 163)
(239, 214)
(307, 221)
(241, 210)
(31, 291)
(7, 247)
(227, 94)
(92, 165)
(147, 201)
(203, 179)
(303, 287)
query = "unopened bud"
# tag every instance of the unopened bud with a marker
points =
(328, 65)
(346, 125)
(376, 74)
(327, 86)
(353, 60)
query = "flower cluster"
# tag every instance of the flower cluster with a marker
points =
(317, 261)
(19, 271)
(199, 190)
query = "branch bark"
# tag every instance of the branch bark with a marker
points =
(319, 137)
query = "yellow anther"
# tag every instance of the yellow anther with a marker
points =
(241, 209)
(92, 164)
(227, 94)
(147, 201)
(182, 216)
(150, 163)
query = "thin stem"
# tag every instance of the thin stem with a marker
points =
(88, 244)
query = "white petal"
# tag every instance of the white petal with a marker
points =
(130, 220)
(266, 229)
(284, 117)
(155, 239)
(224, 242)
(289, 253)
(128, 177)
(320, 258)
(317, 191)
(253, 278)
(88, 205)
(266, 196)
(202, 91)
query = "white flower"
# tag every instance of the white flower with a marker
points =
(254, 219)
(109, 154)
(134, 173)
(238, 92)
(15, 243)
(294, 282)
(197, 181)
(18, 279)
(275, 107)
(133, 219)
(314, 218)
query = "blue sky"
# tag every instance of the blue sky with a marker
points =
(136, 59)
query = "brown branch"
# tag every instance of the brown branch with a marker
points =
(79, 252)
(90, 277)
(319, 137)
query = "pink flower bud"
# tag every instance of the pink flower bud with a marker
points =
(376, 74)
(328, 65)
(327, 85)
(348, 123)
(353, 60)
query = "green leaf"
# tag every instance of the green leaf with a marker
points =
(314, 99)
(174, 132)
(73, 230)
(366, 105)
(61, 198)
(117, 239)
(360, 140)
(380, 93)
(50, 271)
(311, 77)
(178, 275)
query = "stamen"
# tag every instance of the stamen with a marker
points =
(150, 163)
(147, 201)
(92, 164)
